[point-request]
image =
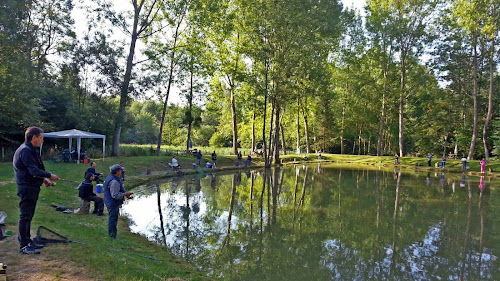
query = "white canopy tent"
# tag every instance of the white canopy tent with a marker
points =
(78, 135)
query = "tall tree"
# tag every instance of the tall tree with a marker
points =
(490, 29)
(470, 17)
(408, 19)
(176, 13)
(144, 14)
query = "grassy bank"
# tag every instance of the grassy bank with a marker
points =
(131, 257)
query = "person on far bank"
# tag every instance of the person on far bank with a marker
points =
(396, 159)
(114, 194)
(198, 157)
(175, 164)
(464, 163)
(30, 174)
(429, 158)
(443, 162)
(214, 160)
(248, 162)
(240, 157)
(122, 164)
(91, 170)
(483, 165)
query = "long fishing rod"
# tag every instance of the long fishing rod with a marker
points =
(69, 180)
(54, 183)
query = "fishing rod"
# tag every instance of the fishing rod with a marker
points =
(51, 183)
(69, 180)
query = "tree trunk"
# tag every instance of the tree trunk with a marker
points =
(306, 130)
(474, 96)
(271, 139)
(380, 137)
(253, 130)
(115, 150)
(359, 143)
(235, 123)
(170, 79)
(342, 124)
(381, 126)
(298, 125)
(445, 142)
(264, 145)
(190, 121)
(283, 145)
(401, 105)
(490, 98)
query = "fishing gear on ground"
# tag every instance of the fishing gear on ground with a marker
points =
(45, 235)
(62, 209)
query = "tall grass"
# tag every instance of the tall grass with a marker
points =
(127, 150)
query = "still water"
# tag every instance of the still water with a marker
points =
(326, 223)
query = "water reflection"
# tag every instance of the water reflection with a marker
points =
(324, 223)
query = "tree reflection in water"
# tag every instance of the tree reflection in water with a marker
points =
(336, 224)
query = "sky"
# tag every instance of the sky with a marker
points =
(175, 97)
(356, 4)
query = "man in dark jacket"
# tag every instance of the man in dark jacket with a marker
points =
(91, 170)
(86, 192)
(30, 174)
(114, 194)
(240, 158)
(198, 157)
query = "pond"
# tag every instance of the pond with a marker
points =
(323, 222)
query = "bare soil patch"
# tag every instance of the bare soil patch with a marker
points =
(46, 266)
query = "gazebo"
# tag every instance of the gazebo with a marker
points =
(78, 135)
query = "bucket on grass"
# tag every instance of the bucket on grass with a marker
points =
(98, 188)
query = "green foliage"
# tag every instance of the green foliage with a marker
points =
(340, 74)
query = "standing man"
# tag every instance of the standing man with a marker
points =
(122, 164)
(30, 174)
(198, 157)
(214, 160)
(114, 194)
(240, 158)
(429, 159)
(443, 162)
(464, 163)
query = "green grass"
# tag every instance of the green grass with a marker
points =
(123, 259)
(150, 150)
(452, 165)
(105, 258)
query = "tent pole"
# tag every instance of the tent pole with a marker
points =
(103, 148)
(78, 146)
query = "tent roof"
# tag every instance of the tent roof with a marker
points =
(73, 134)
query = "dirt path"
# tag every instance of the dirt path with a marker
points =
(44, 267)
